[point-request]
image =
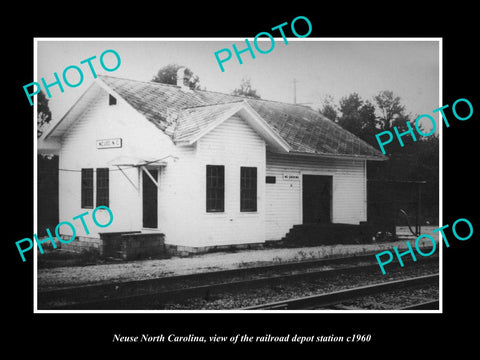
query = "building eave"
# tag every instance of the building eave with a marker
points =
(253, 119)
(339, 156)
(80, 104)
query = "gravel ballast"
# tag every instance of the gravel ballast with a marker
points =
(51, 278)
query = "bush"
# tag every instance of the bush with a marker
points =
(90, 255)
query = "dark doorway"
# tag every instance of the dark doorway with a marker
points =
(317, 199)
(150, 199)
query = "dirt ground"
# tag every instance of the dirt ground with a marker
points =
(50, 278)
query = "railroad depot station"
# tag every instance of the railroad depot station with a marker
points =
(187, 171)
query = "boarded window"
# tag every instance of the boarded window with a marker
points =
(248, 189)
(102, 187)
(87, 188)
(215, 188)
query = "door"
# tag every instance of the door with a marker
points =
(150, 199)
(317, 199)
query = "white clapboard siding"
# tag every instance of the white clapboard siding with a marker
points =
(284, 199)
(232, 144)
(182, 215)
(140, 139)
(177, 198)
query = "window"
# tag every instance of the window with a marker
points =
(112, 100)
(215, 188)
(102, 186)
(87, 188)
(248, 189)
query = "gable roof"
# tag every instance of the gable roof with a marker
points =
(193, 123)
(183, 113)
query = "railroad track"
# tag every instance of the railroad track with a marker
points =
(342, 296)
(142, 294)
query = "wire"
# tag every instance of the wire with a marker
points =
(123, 167)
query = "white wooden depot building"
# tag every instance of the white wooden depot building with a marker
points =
(204, 168)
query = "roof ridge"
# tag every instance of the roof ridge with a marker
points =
(150, 82)
(293, 128)
(215, 104)
(244, 97)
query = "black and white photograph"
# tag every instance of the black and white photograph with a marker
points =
(168, 184)
(228, 181)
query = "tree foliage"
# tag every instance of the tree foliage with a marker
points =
(168, 75)
(329, 109)
(246, 89)
(392, 112)
(44, 115)
(329, 112)
(366, 118)
(357, 116)
(415, 161)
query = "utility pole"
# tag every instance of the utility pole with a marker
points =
(294, 91)
(295, 81)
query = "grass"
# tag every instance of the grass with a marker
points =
(58, 258)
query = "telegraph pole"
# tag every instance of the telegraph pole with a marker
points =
(294, 91)
(295, 81)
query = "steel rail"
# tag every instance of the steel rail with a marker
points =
(323, 300)
(207, 291)
(88, 292)
(145, 300)
(109, 296)
(427, 305)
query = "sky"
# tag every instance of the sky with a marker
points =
(321, 67)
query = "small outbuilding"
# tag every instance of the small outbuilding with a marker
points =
(202, 169)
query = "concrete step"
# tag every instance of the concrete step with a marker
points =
(328, 234)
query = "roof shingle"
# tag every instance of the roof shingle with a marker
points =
(305, 130)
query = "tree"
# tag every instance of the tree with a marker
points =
(246, 89)
(416, 160)
(168, 75)
(329, 109)
(367, 114)
(44, 115)
(358, 117)
(390, 109)
(350, 113)
(392, 114)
